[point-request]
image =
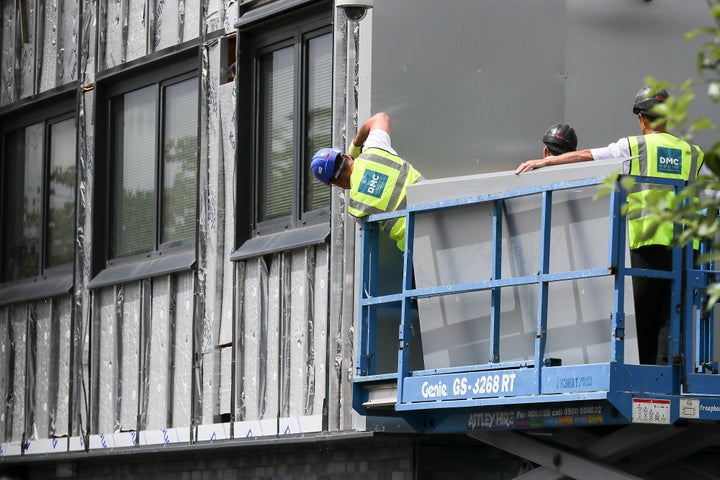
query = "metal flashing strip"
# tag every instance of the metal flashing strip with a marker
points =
(143, 269)
(297, 238)
(249, 16)
(41, 288)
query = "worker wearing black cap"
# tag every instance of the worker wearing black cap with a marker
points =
(559, 139)
(658, 154)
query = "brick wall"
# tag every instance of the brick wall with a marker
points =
(379, 457)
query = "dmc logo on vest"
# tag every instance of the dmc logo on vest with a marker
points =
(373, 183)
(669, 160)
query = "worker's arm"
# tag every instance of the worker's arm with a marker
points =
(378, 121)
(569, 157)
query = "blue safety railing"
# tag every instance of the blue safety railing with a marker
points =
(612, 392)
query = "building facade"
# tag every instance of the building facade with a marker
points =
(175, 284)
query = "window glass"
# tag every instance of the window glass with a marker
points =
(180, 161)
(38, 192)
(319, 115)
(134, 133)
(61, 201)
(288, 67)
(23, 196)
(277, 79)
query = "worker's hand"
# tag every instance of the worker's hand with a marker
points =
(530, 165)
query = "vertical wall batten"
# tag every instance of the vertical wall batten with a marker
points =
(5, 372)
(18, 319)
(30, 373)
(10, 78)
(145, 352)
(27, 49)
(285, 333)
(158, 380)
(48, 40)
(45, 369)
(136, 40)
(67, 43)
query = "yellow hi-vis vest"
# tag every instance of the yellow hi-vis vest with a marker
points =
(377, 185)
(660, 155)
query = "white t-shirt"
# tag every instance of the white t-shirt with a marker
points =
(619, 149)
(378, 138)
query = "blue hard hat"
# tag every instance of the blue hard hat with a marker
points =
(323, 164)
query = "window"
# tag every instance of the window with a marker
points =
(151, 120)
(289, 69)
(38, 190)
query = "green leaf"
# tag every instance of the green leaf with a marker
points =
(699, 31)
(702, 124)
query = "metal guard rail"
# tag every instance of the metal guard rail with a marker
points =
(616, 392)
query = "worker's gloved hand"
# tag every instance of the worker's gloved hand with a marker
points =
(354, 150)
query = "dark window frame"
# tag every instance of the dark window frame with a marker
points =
(49, 109)
(164, 258)
(296, 28)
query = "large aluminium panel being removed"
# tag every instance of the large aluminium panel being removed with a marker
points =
(455, 246)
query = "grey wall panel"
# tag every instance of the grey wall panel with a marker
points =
(190, 20)
(68, 42)
(252, 353)
(18, 320)
(88, 34)
(159, 376)
(455, 246)
(108, 366)
(300, 331)
(224, 383)
(273, 319)
(137, 27)
(5, 369)
(226, 195)
(213, 17)
(48, 37)
(183, 349)
(220, 101)
(45, 370)
(112, 39)
(474, 88)
(61, 349)
(129, 335)
(230, 16)
(8, 33)
(612, 46)
(27, 58)
(470, 86)
(318, 360)
(166, 17)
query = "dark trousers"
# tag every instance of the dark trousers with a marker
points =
(652, 303)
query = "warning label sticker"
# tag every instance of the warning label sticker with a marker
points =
(689, 408)
(648, 410)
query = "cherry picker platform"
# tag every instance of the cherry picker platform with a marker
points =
(584, 419)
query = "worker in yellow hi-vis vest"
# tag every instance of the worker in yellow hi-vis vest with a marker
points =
(373, 172)
(659, 154)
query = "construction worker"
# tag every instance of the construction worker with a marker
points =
(659, 154)
(559, 139)
(373, 172)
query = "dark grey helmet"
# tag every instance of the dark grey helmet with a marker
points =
(560, 138)
(646, 99)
